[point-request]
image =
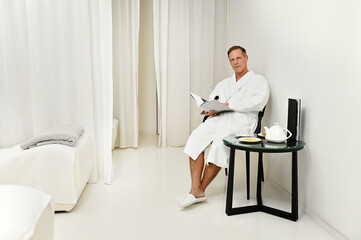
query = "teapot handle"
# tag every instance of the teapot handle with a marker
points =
(288, 132)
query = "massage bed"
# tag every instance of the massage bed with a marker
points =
(59, 170)
(26, 213)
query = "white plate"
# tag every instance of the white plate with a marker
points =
(250, 140)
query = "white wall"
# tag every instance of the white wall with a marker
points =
(147, 82)
(311, 50)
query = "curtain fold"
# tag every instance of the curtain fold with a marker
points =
(50, 74)
(16, 120)
(178, 77)
(102, 79)
(160, 22)
(125, 74)
(202, 42)
(190, 45)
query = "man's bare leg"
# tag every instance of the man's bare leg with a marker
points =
(196, 167)
(210, 172)
(200, 184)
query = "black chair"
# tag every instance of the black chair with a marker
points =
(257, 130)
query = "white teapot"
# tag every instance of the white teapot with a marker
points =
(276, 133)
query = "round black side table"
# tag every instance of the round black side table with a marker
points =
(264, 146)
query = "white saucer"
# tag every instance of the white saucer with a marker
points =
(261, 135)
(241, 135)
(274, 145)
(276, 141)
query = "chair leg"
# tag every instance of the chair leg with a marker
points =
(247, 173)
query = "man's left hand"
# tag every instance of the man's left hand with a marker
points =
(211, 113)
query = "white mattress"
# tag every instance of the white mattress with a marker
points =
(44, 229)
(26, 213)
(58, 170)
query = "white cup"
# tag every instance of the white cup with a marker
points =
(244, 131)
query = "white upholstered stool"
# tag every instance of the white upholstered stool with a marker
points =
(26, 213)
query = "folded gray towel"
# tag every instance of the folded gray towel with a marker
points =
(67, 135)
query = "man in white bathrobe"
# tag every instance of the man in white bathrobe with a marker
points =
(246, 93)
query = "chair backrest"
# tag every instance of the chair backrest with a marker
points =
(260, 116)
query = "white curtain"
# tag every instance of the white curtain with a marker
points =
(190, 45)
(102, 70)
(160, 19)
(125, 74)
(55, 68)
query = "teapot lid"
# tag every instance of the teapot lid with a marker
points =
(276, 126)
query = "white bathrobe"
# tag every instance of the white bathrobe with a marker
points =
(246, 97)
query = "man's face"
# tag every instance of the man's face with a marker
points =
(238, 61)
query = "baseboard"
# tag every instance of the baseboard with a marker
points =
(317, 219)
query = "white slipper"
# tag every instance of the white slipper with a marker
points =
(181, 198)
(186, 200)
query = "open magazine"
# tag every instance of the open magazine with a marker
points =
(210, 105)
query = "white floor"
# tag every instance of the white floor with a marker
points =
(140, 204)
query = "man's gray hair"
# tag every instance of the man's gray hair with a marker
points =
(244, 52)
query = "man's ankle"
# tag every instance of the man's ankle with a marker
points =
(197, 193)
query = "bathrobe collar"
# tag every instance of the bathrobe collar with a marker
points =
(241, 82)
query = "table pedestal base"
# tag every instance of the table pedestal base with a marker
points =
(259, 207)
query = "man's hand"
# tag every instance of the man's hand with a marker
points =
(211, 113)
